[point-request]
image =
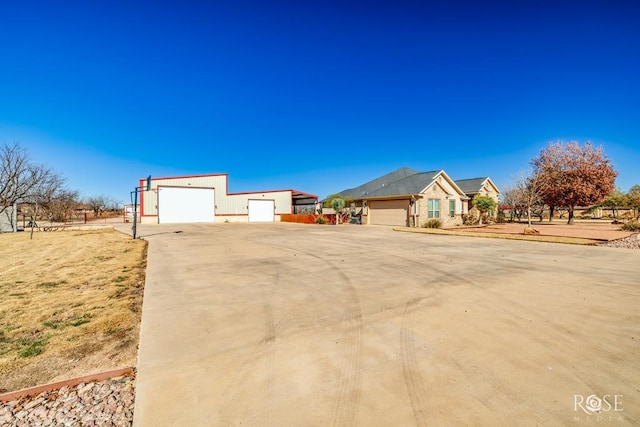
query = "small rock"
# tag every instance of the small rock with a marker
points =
(21, 414)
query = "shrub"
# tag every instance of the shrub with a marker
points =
(433, 223)
(469, 219)
(321, 220)
(631, 226)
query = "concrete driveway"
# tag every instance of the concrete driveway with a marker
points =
(287, 324)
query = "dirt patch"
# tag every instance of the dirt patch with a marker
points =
(71, 304)
(604, 231)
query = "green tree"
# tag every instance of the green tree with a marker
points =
(338, 204)
(633, 197)
(484, 204)
(328, 201)
(616, 200)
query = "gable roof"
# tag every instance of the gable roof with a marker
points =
(378, 183)
(474, 185)
(401, 182)
(412, 184)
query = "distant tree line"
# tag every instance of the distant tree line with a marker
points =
(40, 191)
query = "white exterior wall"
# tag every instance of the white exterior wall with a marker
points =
(234, 207)
(150, 198)
(229, 207)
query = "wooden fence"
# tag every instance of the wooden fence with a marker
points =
(307, 218)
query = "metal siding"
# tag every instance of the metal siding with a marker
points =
(226, 204)
(150, 198)
(261, 210)
(236, 204)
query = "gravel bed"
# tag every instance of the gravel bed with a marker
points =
(631, 242)
(102, 403)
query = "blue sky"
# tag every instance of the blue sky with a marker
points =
(317, 96)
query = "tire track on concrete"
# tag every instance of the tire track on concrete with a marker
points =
(415, 382)
(346, 405)
(264, 352)
(342, 413)
(413, 379)
(347, 402)
(269, 342)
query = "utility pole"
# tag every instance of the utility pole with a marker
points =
(134, 194)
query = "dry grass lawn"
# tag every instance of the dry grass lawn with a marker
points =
(70, 304)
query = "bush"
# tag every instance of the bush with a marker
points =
(487, 219)
(433, 223)
(469, 219)
(321, 220)
(631, 226)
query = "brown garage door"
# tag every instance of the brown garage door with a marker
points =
(389, 212)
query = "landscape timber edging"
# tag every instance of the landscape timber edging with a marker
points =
(32, 391)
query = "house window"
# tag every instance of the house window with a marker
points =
(452, 208)
(433, 207)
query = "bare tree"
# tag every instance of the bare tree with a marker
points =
(44, 194)
(514, 199)
(99, 204)
(530, 188)
(509, 200)
(18, 176)
(59, 203)
(23, 181)
(63, 204)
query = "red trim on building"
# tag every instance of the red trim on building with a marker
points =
(189, 176)
(143, 188)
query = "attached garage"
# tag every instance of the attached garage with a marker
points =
(262, 210)
(389, 212)
(184, 204)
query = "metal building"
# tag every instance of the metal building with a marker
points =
(205, 198)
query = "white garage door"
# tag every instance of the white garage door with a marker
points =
(261, 210)
(389, 212)
(181, 205)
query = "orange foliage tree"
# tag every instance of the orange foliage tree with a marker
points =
(573, 175)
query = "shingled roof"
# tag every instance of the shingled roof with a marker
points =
(472, 185)
(412, 184)
(366, 189)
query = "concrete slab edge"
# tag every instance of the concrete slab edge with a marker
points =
(530, 238)
(32, 391)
